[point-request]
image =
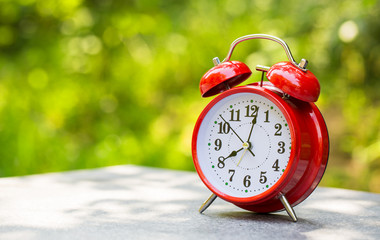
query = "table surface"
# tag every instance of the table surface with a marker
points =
(131, 202)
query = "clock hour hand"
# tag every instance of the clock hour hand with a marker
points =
(234, 153)
(221, 159)
(254, 120)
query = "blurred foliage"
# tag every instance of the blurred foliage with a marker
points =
(85, 84)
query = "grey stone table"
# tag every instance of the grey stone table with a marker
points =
(130, 202)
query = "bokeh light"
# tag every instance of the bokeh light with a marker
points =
(86, 84)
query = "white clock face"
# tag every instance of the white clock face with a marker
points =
(243, 145)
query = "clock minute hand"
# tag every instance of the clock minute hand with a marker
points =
(232, 128)
(236, 134)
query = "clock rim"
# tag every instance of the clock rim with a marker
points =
(293, 158)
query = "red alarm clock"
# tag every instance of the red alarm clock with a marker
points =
(263, 146)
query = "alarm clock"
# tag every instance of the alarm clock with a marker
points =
(264, 146)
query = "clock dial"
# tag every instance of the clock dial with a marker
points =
(244, 144)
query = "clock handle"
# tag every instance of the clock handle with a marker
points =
(302, 65)
(207, 203)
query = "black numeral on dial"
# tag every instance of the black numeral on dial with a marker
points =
(221, 163)
(232, 175)
(224, 127)
(266, 116)
(263, 178)
(275, 166)
(235, 114)
(281, 150)
(278, 127)
(251, 110)
(218, 144)
(247, 181)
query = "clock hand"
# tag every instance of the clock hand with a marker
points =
(246, 146)
(234, 153)
(254, 120)
(221, 159)
(242, 156)
(232, 129)
(250, 151)
(236, 134)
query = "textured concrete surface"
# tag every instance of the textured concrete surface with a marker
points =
(130, 202)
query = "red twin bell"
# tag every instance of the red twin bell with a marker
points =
(223, 77)
(292, 78)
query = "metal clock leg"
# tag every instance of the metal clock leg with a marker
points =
(288, 208)
(207, 203)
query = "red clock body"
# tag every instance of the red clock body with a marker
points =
(251, 145)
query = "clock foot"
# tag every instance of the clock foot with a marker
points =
(207, 203)
(288, 208)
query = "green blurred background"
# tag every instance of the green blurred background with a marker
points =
(85, 84)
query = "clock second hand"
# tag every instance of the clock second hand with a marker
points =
(236, 134)
(245, 146)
